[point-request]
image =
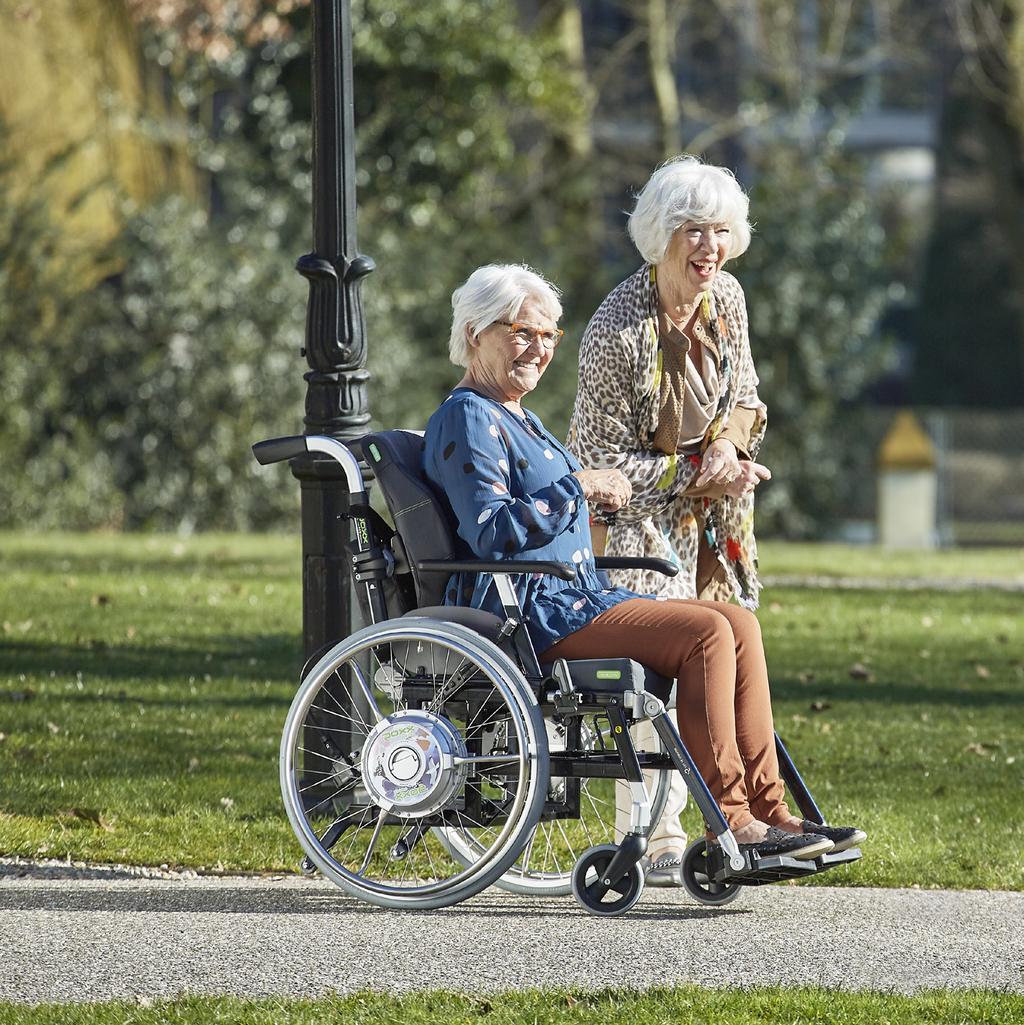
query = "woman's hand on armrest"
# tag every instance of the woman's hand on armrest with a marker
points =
(609, 489)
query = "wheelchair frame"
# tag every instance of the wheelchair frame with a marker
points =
(607, 879)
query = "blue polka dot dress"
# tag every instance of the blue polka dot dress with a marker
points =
(509, 485)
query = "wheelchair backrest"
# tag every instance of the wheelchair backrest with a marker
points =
(421, 520)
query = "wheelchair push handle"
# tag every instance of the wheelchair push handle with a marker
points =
(277, 449)
(274, 450)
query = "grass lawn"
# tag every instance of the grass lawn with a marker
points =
(779, 558)
(654, 1007)
(144, 682)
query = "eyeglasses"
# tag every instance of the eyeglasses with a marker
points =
(523, 334)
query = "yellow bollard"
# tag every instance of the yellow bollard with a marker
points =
(907, 486)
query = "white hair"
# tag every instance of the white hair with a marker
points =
(686, 189)
(492, 293)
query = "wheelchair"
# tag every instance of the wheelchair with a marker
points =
(429, 754)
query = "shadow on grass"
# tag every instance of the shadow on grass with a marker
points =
(275, 656)
(144, 897)
(278, 657)
(142, 565)
(885, 693)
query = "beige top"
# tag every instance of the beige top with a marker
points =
(689, 394)
(689, 397)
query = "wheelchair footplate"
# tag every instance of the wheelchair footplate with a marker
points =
(760, 871)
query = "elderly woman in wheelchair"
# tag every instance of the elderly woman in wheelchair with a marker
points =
(476, 738)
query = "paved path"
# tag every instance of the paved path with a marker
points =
(99, 939)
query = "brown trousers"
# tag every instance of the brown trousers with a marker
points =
(723, 705)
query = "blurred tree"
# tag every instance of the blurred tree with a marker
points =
(92, 126)
(816, 283)
(970, 320)
(469, 152)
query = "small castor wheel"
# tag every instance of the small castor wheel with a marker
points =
(696, 881)
(590, 890)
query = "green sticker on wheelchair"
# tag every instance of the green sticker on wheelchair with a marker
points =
(609, 674)
(375, 453)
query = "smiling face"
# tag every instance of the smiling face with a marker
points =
(698, 252)
(502, 363)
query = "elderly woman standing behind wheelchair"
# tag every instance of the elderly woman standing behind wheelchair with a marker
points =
(516, 493)
(668, 396)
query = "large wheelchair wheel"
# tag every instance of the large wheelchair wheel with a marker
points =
(405, 730)
(545, 866)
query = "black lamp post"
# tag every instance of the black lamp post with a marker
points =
(335, 345)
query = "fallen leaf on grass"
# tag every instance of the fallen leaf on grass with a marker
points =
(100, 599)
(97, 818)
(859, 671)
(806, 676)
(53, 728)
(982, 671)
(979, 749)
(820, 706)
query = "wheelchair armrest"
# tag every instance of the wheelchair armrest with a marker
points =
(669, 569)
(556, 569)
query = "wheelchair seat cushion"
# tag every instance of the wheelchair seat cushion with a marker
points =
(484, 623)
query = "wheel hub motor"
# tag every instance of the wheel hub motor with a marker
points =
(408, 762)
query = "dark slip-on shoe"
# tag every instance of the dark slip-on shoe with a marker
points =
(842, 837)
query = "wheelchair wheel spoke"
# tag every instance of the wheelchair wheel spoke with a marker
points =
(324, 802)
(568, 843)
(356, 717)
(381, 816)
(528, 853)
(367, 692)
(474, 728)
(426, 849)
(473, 823)
(354, 835)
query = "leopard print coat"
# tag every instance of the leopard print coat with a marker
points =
(613, 425)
